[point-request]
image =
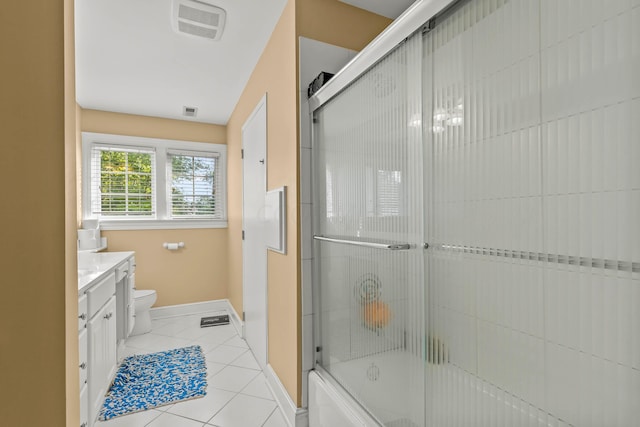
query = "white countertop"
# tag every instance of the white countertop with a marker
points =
(93, 266)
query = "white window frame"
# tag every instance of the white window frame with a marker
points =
(162, 218)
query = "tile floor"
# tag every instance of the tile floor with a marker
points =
(237, 392)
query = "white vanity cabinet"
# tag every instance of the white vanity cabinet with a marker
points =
(105, 308)
(102, 340)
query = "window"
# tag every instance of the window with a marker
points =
(122, 181)
(194, 181)
(389, 193)
(138, 183)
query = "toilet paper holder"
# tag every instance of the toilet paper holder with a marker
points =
(173, 246)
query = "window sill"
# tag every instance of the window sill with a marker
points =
(159, 224)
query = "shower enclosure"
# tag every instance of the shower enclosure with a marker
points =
(476, 220)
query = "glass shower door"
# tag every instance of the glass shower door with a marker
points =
(533, 286)
(368, 249)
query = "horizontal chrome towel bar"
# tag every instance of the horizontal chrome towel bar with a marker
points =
(537, 256)
(365, 244)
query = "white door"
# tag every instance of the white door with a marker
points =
(254, 251)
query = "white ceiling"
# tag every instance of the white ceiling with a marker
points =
(389, 8)
(130, 60)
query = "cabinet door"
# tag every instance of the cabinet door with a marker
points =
(84, 406)
(82, 359)
(110, 343)
(102, 354)
(131, 318)
(83, 312)
(96, 359)
(131, 312)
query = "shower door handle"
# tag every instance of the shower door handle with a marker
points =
(366, 244)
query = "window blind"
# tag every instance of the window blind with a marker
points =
(123, 181)
(195, 184)
(389, 193)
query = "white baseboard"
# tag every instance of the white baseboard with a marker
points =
(236, 320)
(205, 307)
(216, 306)
(294, 416)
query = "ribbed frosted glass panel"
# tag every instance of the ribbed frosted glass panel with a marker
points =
(591, 208)
(533, 214)
(368, 184)
(508, 138)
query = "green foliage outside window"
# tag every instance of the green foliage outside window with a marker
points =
(125, 183)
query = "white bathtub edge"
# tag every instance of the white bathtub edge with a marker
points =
(336, 406)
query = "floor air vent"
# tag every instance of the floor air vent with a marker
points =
(198, 19)
(222, 319)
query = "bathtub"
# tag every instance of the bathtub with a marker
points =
(386, 384)
(453, 397)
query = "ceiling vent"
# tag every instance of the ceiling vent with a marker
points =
(189, 111)
(198, 19)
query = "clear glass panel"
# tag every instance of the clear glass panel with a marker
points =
(193, 185)
(369, 173)
(124, 182)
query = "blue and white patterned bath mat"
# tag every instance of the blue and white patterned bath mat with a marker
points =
(151, 380)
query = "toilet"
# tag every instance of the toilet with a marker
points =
(143, 300)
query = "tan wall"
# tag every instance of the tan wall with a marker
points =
(72, 217)
(199, 271)
(32, 261)
(337, 23)
(193, 274)
(275, 74)
(151, 127)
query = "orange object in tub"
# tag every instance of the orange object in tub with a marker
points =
(377, 314)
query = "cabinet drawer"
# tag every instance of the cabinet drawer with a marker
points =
(83, 314)
(122, 270)
(100, 294)
(83, 346)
